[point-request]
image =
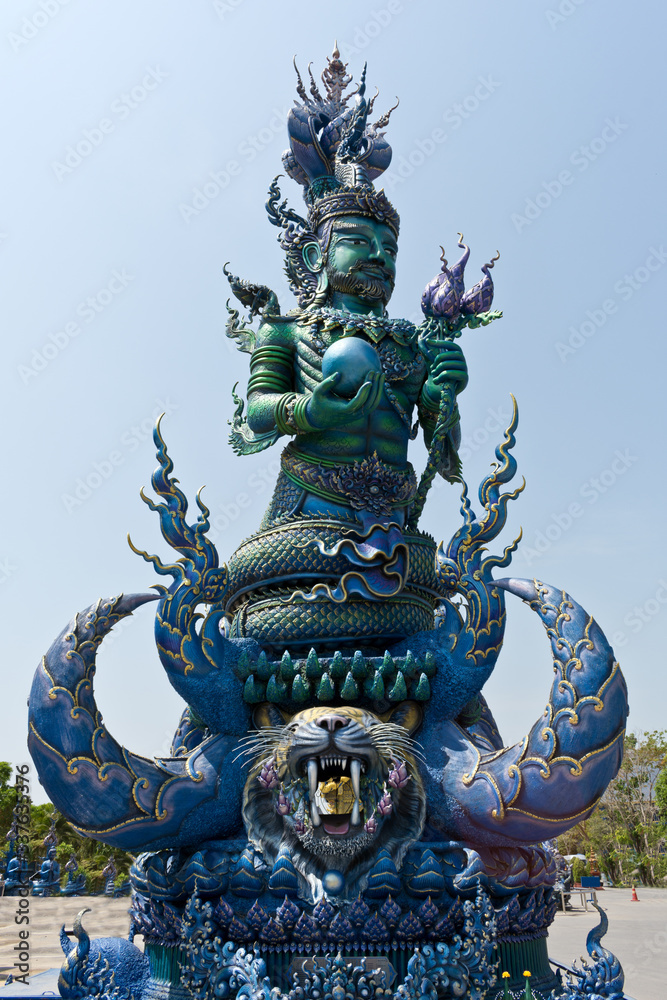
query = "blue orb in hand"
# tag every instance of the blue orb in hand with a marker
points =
(354, 358)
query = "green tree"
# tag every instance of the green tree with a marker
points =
(7, 797)
(661, 794)
(91, 854)
(628, 831)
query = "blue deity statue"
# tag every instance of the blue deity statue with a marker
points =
(47, 881)
(16, 876)
(11, 837)
(76, 880)
(337, 786)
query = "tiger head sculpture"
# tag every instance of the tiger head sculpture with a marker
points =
(334, 786)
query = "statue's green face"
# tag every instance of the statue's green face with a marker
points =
(361, 260)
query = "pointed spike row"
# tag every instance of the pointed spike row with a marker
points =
(263, 668)
(430, 665)
(409, 666)
(300, 689)
(337, 668)
(326, 689)
(313, 670)
(358, 667)
(242, 666)
(287, 668)
(276, 690)
(349, 690)
(388, 667)
(374, 687)
(399, 691)
(422, 690)
(253, 691)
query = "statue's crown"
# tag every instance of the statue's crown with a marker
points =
(335, 154)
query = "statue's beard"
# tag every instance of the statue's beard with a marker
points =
(369, 282)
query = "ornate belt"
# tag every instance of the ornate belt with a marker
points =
(366, 485)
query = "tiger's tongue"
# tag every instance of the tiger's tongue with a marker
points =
(336, 829)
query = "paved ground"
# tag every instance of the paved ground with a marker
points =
(637, 933)
(637, 936)
(108, 918)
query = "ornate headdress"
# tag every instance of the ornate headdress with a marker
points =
(335, 154)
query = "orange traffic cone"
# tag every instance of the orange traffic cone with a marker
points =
(634, 898)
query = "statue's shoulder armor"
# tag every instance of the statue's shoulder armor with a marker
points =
(277, 330)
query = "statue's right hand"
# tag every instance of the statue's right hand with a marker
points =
(325, 409)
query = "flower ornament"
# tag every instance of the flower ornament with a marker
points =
(398, 776)
(268, 776)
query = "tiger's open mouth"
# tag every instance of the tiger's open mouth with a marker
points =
(334, 791)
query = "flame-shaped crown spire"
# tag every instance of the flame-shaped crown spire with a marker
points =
(335, 154)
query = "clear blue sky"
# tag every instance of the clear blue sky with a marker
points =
(536, 128)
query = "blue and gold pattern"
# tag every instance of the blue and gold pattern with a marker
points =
(338, 815)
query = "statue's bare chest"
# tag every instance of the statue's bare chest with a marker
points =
(403, 365)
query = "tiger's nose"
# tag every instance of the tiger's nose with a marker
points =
(332, 722)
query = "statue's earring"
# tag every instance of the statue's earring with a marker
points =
(313, 257)
(314, 260)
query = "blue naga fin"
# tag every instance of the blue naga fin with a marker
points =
(104, 967)
(105, 791)
(198, 659)
(604, 979)
(467, 646)
(554, 777)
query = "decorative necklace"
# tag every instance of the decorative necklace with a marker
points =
(374, 327)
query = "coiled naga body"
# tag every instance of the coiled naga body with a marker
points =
(337, 782)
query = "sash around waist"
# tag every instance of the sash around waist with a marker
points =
(369, 484)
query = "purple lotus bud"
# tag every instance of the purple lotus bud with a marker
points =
(456, 270)
(478, 299)
(398, 777)
(299, 825)
(283, 807)
(441, 298)
(370, 826)
(268, 776)
(385, 805)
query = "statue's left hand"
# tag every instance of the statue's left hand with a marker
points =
(450, 366)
